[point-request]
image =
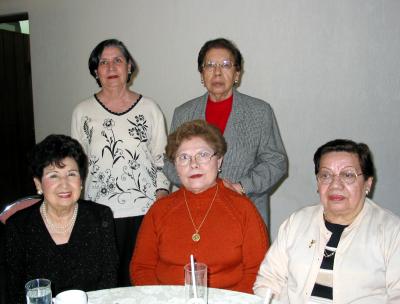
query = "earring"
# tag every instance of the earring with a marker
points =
(219, 170)
(39, 192)
(236, 81)
(366, 191)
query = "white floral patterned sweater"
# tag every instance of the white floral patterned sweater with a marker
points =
(125, 152)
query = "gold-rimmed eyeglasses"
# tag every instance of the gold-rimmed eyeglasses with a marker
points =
(210, 66)
(347, 176)
(200, 158)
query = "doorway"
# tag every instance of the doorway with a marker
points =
(17, 133)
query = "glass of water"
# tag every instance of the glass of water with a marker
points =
(38, 291)
(200, 277)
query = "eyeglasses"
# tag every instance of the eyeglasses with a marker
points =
(200, 158)
(347, 176)
(210, 66)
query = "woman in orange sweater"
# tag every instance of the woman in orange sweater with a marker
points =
(220, 227)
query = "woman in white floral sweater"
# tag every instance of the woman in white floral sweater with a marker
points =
(124, 136)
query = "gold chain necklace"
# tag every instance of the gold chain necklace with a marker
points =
(196, 235)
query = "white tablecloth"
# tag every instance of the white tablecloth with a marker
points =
(166, 294)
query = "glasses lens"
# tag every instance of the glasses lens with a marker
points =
(209, 66)
(227, 65)
(325, 177)
(182, 160)
(203, 157)
(348, 176)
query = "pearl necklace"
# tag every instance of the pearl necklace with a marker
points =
(61, 229)
(196, 235)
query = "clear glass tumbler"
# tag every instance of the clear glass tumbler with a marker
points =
(38, 291)
(200, 274)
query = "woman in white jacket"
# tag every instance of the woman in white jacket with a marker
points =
(344, 250)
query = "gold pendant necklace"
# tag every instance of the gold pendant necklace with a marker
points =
(196, 234)
(195, 237)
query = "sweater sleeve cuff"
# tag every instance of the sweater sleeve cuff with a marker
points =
(162, 189)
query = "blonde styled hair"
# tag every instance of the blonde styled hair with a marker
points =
(196, 128)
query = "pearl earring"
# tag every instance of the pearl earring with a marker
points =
(39, 192)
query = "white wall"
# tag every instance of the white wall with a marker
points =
(330, 69)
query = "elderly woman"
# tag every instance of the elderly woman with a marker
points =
(344, 250)
(219, 226)
(124, 136)
(58, 238)
(256, 159)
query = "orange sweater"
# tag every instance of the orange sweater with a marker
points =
(233, 240)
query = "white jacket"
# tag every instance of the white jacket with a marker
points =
(367, 259)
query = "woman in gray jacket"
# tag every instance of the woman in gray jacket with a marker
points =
(256, 159)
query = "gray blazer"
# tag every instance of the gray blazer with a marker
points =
(256, 156)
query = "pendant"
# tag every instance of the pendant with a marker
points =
(195, 237)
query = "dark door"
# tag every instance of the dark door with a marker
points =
(17, 136)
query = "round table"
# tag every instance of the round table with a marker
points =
(166, 294)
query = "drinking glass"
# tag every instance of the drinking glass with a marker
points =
(38, 291)
(200, 274)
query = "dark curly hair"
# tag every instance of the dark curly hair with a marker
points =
(220, 43)
(195, 128)
(344, 145)
(52, 150)
(94, 58)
